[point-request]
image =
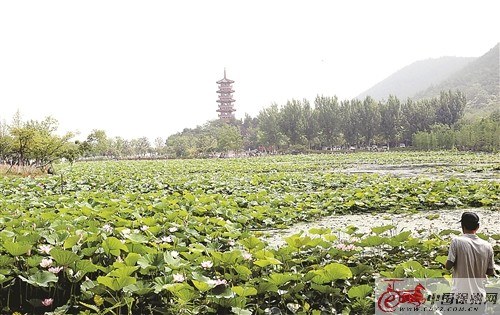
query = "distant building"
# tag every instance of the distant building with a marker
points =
(225, 91)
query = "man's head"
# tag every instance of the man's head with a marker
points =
(470, 221)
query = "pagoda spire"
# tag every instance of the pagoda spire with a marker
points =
(225, 91)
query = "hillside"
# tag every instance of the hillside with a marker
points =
(417, 77)
(479, 80)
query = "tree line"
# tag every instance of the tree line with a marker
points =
(295, 126)
(329, 123)
(480, 135)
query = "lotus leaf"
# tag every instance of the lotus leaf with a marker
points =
(139, 288)
(252, 242)
(116, 284)
(381, 229)
(331, 272)
(320, 231)
(243, 271)
(373, 240)
(202, 286)
(441, 259)
(132, 259)
(16, 249)
(64, 257)
(113, 246)
(267, 287)
(244, 291)
(266, 262)
(183, 291)
(6, 260)
(85, 266)
(280, 279)
(240, 311)
(360, 291)
(40, 279)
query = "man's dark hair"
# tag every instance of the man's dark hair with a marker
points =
(470, 221)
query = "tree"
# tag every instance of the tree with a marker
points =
(6, 142)
(228, 138)
(249, 128)
(23, 140)
(450, 108)
(391, 127)
(292, 122)
(182, 146)
(269, 132)
(350, 120)
(35, 144)
(98, 143)
(311, 126)
(141, 146)
(328, 118)
(206, 143)
(369, 116)
(418, 116)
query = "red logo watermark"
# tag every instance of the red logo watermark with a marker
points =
(392, 297)
(436, 296)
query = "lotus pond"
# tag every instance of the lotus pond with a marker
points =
(192, 236)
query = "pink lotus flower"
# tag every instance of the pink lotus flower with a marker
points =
(207, 264)
(166, 239)
(178, 277)
(46, 262)
(48, 302)
(55, 269)
(44, 249)
(125, 232)
(107, 228)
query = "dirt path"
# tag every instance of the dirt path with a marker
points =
(421, 224)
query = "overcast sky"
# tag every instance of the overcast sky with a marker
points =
(148, 68)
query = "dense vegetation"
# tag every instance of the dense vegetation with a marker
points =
(188, 236)
(294, 127)
(480, 135)
(28, 145)
(298, 126)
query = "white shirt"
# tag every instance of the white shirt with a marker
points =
(472, 257)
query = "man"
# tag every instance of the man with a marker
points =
(472, 261)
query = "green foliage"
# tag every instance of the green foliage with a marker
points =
(482, 135)
(164, 236)
(34, 144)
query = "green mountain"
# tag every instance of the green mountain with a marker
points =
(416, 77)
(478, 78)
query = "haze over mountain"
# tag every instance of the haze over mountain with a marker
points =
(479, 80)
(416, 77)
(477, 77)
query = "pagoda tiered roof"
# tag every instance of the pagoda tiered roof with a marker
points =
(225, 100)
(225, 80)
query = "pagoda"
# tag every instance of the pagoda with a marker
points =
(225, 100)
